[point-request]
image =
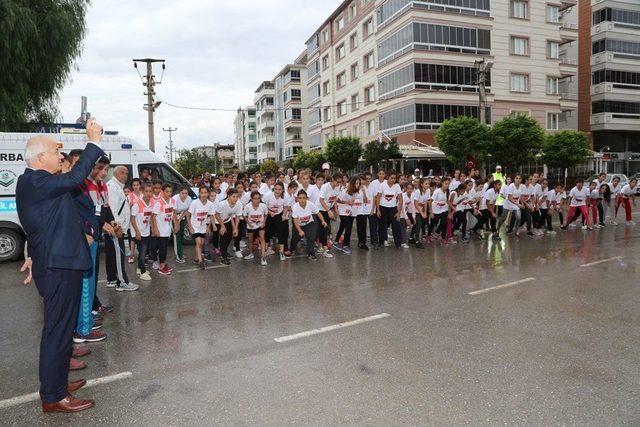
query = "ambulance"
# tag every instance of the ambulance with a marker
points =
(121, 150)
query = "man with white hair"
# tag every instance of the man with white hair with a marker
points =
(59, 254)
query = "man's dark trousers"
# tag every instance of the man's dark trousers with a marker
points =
(60, 291)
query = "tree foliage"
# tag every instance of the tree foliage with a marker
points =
(343, 152)
(309, 160)
(461, 137)
(515, 140)
(253, 169)
(269, 166)
(376, 152)
(192, 163)
(565, 149)
(40, 40)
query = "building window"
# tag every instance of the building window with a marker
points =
(296, 114)
(371, 127)
(390, 9)
(340, 52)
(630, 48)
(326, 88)
(355, 102)
(296, 94)
(356, 131)
(368, 61)
(620, 79)
(619, 107)
(552, 121)
(519, 46)
(342, 108)
(354, 71)
(552, 85)
(553, 14)
(519, 9)
(327, 114)
(341, 80)
(340, 23)
(367, 28)
(369, 94)
(519, 83)
(325, 36)
(553, 50)
(325, 62)
(352, 11)
(353, 41)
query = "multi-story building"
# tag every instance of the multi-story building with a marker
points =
(291, 133)
(399, 68)
(246, 143)
(265, 122)
(609, 105)
(226, 156)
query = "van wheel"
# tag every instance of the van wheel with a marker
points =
(11, 244)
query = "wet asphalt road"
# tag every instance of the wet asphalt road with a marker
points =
(561, 348)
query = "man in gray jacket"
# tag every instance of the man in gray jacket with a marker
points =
(116, 274)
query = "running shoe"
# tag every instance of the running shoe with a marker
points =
(249, 257)
(238, 254)
(208, 258)
(630, 223)
(465, 240)
(338, 246)
(364, 247)
(105, 309)
(96, 326)
(156, 265)
(127, 287)
(551, 232)
(132, 260)
(270, 251)
(201, 265)
(584, 227)
(225, 261)
(164, 271)
(145, 276)
(282, 257)
(419, 245)
(263, 261)
(287, 254)
(496, 238)
(346, 250)
(326, 254)
(312, 257)
(181, 260)
(530, 233)
(404, 246)
(112, 284)
(386, 243)
(93, 336)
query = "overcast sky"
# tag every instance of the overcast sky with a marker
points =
(217, 53)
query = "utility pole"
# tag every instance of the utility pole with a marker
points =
(149, 82)
(171, 150)
(483, 66)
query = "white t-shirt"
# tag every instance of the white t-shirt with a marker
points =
(375, 187)
(367, 208)
(228, 212)
(313, 195)
(579, 197)
(454, 184)
(544, 194)
(224, 186)
(200, 215)
(595, 194)
(264, 188)
(627, 191)
(488, 198)
(255, 217)
(615, 190)
(516, 192)
(182, 206)
(275, 204)
(163, 211)
(439, 202)
(142, 213)
(461, 201)
(422, 199)
(304, 215)
(358, 207)
(245, 199)
(389, 195)
(408, 206)
(329, 195)
(345, 203)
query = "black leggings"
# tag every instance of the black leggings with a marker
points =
(361, 224)
(460, 221)
(242, 232)
(488, 219)
(278, 228)
(418, 227)
(324, 232)
(346, 225)
(441, 221)
(161, 245)
(545, 219)
(310, 232)
(388, 217)
(225, 240)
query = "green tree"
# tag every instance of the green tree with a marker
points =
(376, 152)
(515, 140)
(565, 149)
(269, 166)
(40, 40)
(309, 160)
(461, 137)
(253, 169)
(343, 152)
(192, 162)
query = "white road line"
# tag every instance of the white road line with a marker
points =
(602, 261)
(330, 328)
(189, 270)
(19, 400)
(506, 285)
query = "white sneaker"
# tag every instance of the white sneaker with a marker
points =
(326, 254)
(156, 265)
(145, 276)
(249, 257)
(404, 246)
(282, 257)
(263, 261)
(386, 243)
(111, 284)
(127, 287)
(238, 254)
(584, 227)
(630, 223)
(613, 223)
(269, 252)
(138, 271)
(551, 233)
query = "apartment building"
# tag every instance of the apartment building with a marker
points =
(246, 145)
(291, 131)
(609, 106)
(265, 121)
(399, 68)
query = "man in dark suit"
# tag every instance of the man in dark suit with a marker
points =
(59, 254)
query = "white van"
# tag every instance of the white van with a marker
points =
(121, 150)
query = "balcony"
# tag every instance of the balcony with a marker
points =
(568, 66)
(292, 139)
(620, 59)
(568, 101)
(615, 121)
(615, 91)
(568, 32)
(266, 124)
(266, 139)
(566, 4)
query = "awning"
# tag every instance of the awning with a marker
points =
(421, 152)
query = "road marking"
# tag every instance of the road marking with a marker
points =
(189, 270)
(506, 285)
(602, 261)
(19, 400)
(330, 328)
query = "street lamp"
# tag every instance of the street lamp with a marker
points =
(483, 66)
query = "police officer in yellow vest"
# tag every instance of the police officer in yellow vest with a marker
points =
(498, 176)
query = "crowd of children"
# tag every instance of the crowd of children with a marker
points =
(275, 215)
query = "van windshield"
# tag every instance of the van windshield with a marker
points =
(165, 173)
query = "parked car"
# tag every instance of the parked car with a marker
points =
(623, 178)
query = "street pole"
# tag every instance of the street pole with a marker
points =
(170, 130)
(483, 67)
(149, 83)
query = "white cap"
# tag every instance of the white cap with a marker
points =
(326, 166)
(498, 167)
